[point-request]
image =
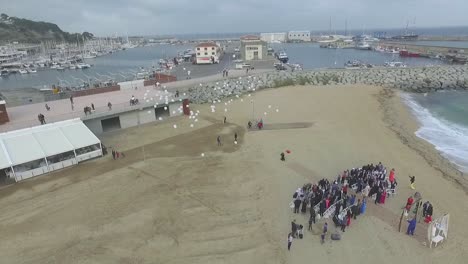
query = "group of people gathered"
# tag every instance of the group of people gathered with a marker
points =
(369, 180)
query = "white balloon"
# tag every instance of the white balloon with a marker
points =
(235, 142)
(196, 120)
(191, 125)
(165, 91)
(184, 94)
(175, 126)
(225, 109)
(203, 154)
(201, 84)
(277, 110)
(198, 111)
(160, 118)
(184, 69)
(265, 113)
(249, 95)
(165, 108)
(269, 106)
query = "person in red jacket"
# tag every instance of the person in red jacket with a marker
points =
(409, 203)
(391, 177)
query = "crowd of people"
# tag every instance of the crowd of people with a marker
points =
(335, 200)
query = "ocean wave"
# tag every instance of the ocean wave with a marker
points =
(450, 139)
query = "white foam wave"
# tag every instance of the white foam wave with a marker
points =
(450, 139)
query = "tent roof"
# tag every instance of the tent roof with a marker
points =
(4, 158)
(23, 148)
(24, 145)
(53, 141)
(79, 135)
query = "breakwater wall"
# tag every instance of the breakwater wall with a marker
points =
(412, 79)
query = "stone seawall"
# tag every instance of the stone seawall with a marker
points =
(414, 79)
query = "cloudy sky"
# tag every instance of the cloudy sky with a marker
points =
(155, 17)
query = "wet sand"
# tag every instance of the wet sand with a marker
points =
(165, 203)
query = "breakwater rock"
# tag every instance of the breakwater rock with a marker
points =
(413, 79)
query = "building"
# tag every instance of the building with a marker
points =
(207, 53)
(273, 37)
(34, 151)
(299, 36)
(253, 48)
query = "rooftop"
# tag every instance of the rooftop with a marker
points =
(250, 37)
(207, 44)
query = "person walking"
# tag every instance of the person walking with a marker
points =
(412, 180)
(235, 136)
(411, 226)
(113, 154)
(282, 156)
(218, 139)
(224, 120)
(324, 233)
(71, 99)
(293, 228)
(311, 221)
(47, 107)
(109, 105)
(297, 204)
(92, 106)
(290, 240)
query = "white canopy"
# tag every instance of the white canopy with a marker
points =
(25, 145)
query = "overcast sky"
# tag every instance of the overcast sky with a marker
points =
(155, 17)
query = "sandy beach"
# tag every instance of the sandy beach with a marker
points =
(166, 203)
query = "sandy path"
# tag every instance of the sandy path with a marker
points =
(231, 206)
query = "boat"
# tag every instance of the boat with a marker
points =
(82, 66)
(395, 64)
(282, 56)
(405, 53)
(31, 70)
(363, 46)
(23, 71)
(72, 67)
(60, 68)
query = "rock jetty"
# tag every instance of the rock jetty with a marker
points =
(412, 79)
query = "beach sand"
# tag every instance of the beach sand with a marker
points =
(165, 203)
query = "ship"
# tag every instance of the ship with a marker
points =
(406, 37)
(405, 53)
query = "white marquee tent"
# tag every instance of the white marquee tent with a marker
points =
(34, 151)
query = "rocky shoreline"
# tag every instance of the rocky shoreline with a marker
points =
(413, 79)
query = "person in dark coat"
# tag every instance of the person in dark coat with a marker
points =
(293, 228)
(282, 156)
(113, 154)
(297, 204)
(304, 206)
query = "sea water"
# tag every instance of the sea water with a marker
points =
(443, 117)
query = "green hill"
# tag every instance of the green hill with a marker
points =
(24, 30)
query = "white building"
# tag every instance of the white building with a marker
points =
(299, 36)
(30, 152)
(273, 37)
(207, 53)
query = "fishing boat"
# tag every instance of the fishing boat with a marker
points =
(22, 71)
(405, 53)
(31, 70)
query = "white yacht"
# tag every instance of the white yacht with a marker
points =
(23, 71)
(363, 46)
(32, 70)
